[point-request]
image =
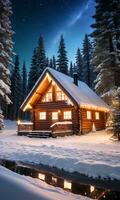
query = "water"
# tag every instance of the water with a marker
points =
(95, 189)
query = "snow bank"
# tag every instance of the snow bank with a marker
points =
(94, 154)
(14, 186)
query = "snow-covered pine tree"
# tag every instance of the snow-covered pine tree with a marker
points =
(54, 62)
(6, 47)
(62, 61)
(79, 64)
(71, 71)
(87, 67)
(107, 55)
(33, 73)
(16, 90)
(41, 56)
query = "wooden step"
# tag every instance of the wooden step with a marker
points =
(39, 134)
(36, 134)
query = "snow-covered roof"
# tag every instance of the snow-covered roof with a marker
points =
(82, 94)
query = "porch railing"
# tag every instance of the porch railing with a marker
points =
(24, 126)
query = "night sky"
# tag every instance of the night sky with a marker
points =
(51, 18)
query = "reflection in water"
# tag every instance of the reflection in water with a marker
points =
(78, 188)
(92, 188)
(54, 179)
(67, 185)
(41, 176)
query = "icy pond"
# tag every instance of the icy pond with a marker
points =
(72, 182)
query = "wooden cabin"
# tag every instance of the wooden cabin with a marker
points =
(61, 105)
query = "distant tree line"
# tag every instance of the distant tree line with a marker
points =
(22, 83)
(83, 65)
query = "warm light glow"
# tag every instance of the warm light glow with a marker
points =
(18, 122)
(93, 128)
(54, 115)
(91, 107)
(48, 96)
(59, 111)
(60, 96)
(97, 115)
(42, 115)
(67, 115)
(89, 115)
(92, 188)
(28, 106)
(69, 102)
(67, 185)
(53, 83)
(41, 176)
(54, 179)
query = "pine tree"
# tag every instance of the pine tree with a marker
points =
(47, 62)
(107, 55)
(79, 64)
(62, 61)
(41, 56)
(24, 81)
(54, 62)
(87, 71)
(24, 86)
(51, 63)
(16, 90)
(71, 69)
(33, 73)
(6, 47)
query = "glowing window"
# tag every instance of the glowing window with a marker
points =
(97, 115)
(67, 185)
(67, 115)
(41, 176)
(47, 97)
(54, 115)
(60, 94)
(42, 115)
(88, 114)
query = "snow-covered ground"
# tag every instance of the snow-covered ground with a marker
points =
(17, 187)
(94, 154)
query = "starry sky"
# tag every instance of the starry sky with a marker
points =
(51, 18)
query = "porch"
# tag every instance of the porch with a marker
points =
(57, 129)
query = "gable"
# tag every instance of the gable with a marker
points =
(80, 95)
(44, 93)
(55, 93)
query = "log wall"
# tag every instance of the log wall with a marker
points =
(87, 124)
(49, 107)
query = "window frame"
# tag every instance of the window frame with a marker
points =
(66, 116)
(62, 96)
(97, 117)
(88, 115)
(44, 117)
(55, 112)
(46, 97)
